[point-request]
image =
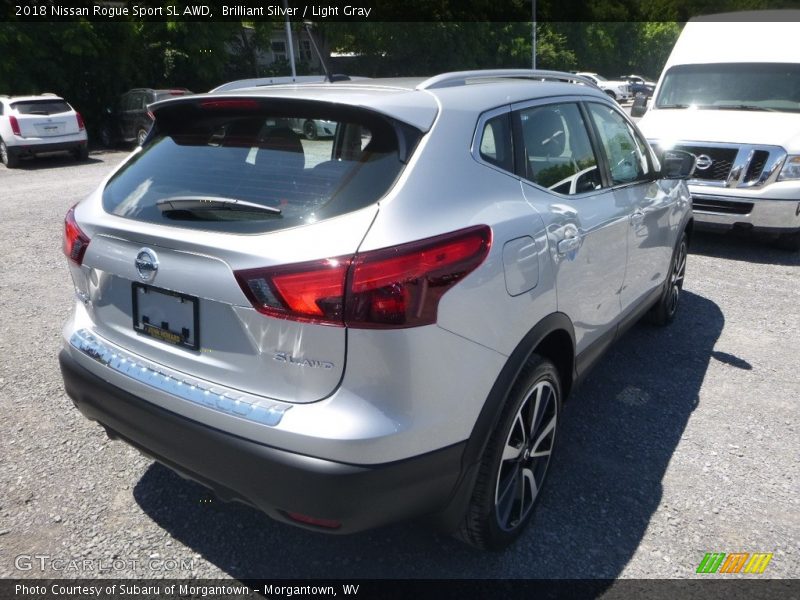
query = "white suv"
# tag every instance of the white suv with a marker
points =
(31, 125)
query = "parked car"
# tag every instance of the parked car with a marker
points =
(639, 85)
(314, 128)
(618, 90)
(736, 106)
(129, 119)
(384, 327)
(31, 125)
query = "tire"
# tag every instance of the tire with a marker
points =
(310, 130)
(106, 139)
(789, 241)
(511, 475)
(611, 94)
(141, 135)
(9, 160)
(664, 310)
(81, 154)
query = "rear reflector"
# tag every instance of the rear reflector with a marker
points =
(301, 518)
(75, 241)
(393, 287)
(14, 125)
(81, 125)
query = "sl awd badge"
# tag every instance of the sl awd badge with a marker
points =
(146, 264)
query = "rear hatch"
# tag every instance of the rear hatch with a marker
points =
(225, 209)
(46, 117)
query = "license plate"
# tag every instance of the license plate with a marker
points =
(167, 316)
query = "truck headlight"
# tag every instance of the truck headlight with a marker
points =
(791, 168)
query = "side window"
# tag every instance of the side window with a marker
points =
(626, 153)
(495, 145)
(558, 153)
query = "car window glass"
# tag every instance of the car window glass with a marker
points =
(558, 153)
(627, 155)
(41, 107)
(495, 145)
(257, 158)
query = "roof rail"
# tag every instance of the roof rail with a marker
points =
(458, 78)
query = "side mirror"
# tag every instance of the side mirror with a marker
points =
(677, 164)
(639, 107)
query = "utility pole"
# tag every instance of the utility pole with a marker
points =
(533, 35)
(290, 43)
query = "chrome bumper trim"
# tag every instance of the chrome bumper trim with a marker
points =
(188, 388)
(766, 213)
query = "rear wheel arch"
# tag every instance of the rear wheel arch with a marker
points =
(553, 339)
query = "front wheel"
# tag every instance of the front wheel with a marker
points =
(514, 465)
(611, 94)
(666, 307)
(141, 136)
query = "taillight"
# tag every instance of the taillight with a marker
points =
(14, 125)
(311, 291)
(81, 124)
(389, 288)
(75, 241)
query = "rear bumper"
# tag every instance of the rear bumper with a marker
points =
(272, 480)
(41, 147)
(756, 214)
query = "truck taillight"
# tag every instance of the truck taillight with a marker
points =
(75, 240)
(393, 287)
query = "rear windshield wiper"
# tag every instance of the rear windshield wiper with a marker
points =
(197, 204)
(672, 106)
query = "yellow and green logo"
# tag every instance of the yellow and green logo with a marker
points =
(737, 562)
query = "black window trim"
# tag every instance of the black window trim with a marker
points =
(477, 138)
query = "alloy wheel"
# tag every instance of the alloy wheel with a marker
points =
(676, 278)
(526, 456)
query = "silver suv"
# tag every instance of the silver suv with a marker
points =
(349, 331)
(32, 125)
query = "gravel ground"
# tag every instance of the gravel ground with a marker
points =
(683, 441)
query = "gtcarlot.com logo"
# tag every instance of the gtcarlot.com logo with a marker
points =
(738, 562)
(46, 562)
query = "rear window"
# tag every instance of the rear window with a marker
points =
(248, 167)
(41, 107)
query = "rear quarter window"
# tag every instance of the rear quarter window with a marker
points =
(199, 159)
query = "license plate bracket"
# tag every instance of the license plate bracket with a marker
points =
(167, 316)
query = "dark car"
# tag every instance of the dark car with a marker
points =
(639, 85)
(130, 120)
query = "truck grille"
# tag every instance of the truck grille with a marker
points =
(721, 162)
(732, 165)
(717, 205)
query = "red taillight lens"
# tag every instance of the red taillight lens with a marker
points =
(81, 124)
(14, 125)
(75, 241)
(388, 288)
(311, 291)
(402, 286)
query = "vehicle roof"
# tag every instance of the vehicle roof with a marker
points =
(405, 100)
(28, 98)
(771, 37)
